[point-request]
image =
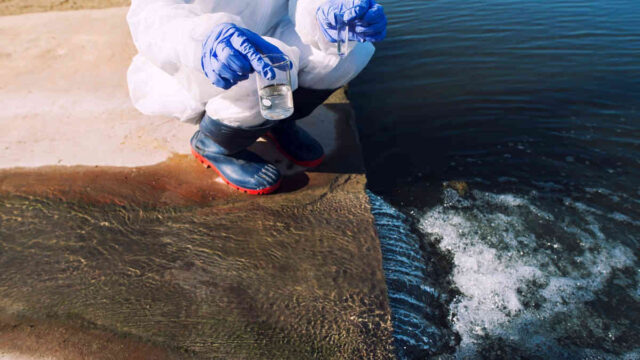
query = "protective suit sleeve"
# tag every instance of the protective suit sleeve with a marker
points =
(170, 33)
(303, 16)
(319, 69)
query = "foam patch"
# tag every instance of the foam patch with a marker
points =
(529, 271)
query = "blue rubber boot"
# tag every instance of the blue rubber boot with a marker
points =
(296, 144)
(223, 148)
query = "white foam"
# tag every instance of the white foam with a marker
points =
(499, 263)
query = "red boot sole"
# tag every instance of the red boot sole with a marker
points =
(207, 164)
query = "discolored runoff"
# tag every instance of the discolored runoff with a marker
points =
(164, 261)
(291, 276)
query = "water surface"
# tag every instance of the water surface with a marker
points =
(534, 104)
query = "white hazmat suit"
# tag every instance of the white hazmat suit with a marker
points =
(166, 77)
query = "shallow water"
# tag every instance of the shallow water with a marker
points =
(535, 106)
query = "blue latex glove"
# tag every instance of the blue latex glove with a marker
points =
(231, 53)
(365, 18)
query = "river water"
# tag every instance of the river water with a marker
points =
(502, 146)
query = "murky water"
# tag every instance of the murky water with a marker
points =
(168, 257)
(535, 106)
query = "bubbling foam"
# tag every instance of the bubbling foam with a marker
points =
(526, 274)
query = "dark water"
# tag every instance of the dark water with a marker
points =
(535, 105)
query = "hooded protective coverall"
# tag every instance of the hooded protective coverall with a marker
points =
(166, 77)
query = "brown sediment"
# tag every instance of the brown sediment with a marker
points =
(44, 339)
(461, 187)
(179, 181)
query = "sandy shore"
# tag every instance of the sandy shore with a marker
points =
(14, 7)
(82, 61)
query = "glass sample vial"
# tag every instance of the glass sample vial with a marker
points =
(276, 97)
(342, 28)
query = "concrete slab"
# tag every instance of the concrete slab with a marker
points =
(135, 251)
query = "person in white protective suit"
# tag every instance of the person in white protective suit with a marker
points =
(197, 59)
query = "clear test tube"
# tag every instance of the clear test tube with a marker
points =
(342, 28)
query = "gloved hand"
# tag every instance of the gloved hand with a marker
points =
(365, 18)
(231, 53)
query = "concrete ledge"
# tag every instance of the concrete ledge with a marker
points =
(132, 250)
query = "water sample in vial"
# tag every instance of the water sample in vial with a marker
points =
(275, 95)
(342, 28)
(276, 101)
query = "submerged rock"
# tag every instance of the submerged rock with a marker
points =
(461, 187)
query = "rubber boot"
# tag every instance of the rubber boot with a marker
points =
(223, 148)
(296, 144)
